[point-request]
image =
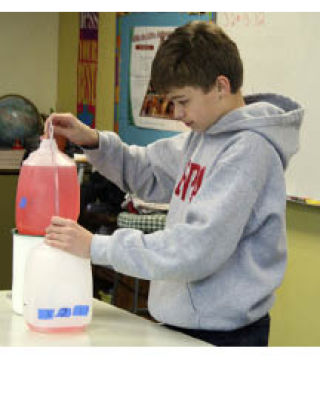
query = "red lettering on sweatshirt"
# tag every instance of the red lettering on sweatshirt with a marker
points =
(191, 179)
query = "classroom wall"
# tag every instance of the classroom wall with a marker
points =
(295, 319)
(29, 67)
(67, 70)
(29, 57)
(295, 315)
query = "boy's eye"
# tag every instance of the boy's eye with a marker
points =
(183, 102)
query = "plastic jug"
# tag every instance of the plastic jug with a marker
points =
(22, 244)
(57, 290)
(48, 185)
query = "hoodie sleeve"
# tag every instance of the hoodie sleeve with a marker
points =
(214, 225)
(149, 172)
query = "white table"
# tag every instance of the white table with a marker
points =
(110, 326)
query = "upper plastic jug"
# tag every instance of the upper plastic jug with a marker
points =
(48, 185)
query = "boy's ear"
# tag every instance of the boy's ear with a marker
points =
(223, 85)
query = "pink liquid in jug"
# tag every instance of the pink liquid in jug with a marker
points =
(35, 199)
(70, 329)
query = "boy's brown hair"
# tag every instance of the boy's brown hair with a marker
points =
(195, 55)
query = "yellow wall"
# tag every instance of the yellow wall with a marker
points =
(29, 57)
(295, 317)
(67, 62)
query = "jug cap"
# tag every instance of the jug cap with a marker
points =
(43, 155)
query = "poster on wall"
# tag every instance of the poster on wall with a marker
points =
(149, 109)
(87, 68)
(140, 115)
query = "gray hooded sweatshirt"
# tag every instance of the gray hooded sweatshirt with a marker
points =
(222, 253)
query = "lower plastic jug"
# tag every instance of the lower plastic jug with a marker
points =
(22, 244)
(57, 290)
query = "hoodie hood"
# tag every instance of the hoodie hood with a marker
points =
(275, 117)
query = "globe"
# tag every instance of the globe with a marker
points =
(20, 122)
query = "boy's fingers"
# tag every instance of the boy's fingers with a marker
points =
(55, 229)
(56, 220)
(61, 131)
(55, 244)
(62, 119)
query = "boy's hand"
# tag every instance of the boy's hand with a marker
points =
(69, 236)
(67, 125)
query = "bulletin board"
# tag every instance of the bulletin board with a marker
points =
(139, 32)
(280, 53)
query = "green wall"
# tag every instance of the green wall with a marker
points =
(295, 313)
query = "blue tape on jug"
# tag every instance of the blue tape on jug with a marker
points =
(64, 313)
(45, 314)
(23, 202)
(81, 310)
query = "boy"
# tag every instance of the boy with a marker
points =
(215, 266)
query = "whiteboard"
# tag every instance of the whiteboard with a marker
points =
(280, 53)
